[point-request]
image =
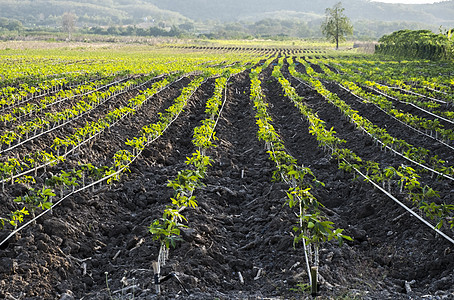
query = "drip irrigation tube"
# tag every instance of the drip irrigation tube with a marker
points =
(396, 152)
(414, 93)
(404, 206)
(390, 195)
(414, 105)
(88, 185)
(403, 123)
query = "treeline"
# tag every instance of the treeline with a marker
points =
(363, 30)
(279, 29)
(10, 24)
(134, 31)
(418, 44)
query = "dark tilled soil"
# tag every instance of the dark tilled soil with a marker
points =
(239, 244)
(365, 210)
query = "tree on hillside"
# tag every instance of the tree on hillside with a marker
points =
(336, 25)
(10, 24)
(68, 21)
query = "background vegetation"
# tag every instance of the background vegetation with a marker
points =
(418, 44)
(220, 19)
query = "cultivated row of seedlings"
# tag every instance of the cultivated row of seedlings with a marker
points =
(404, 178)
(113, 84)
(312, 226)
(49, 121)
(24, 79)
(90, 94)
(68, 182)
(40, 74)
(16, 111)
(166, 230)
(431, 127)
(434, 102)
(17, 166)
(416, 155)
(62, 147)
(85, 176)
(425, 93)
(11, 97)
(430, 79)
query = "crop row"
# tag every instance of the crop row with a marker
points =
(404, 177)
(416, 155)
(14, 168)
(52, 120)
(433, 128)
(66, 183)
(43, 71)
(436, 104)
(405, 77)
(166, 230)
(12, 96)
(312, 227)
(22, 72)
(45, 123)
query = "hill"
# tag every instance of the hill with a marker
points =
(222, 19)
(235, 10)
(88, 12)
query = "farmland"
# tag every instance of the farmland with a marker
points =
(235, 168)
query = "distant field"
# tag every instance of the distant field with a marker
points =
(224, 156)
(173, 41)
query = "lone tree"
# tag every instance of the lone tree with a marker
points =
(68, 21)
(336, 25)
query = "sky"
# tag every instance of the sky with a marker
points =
(407, 1)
